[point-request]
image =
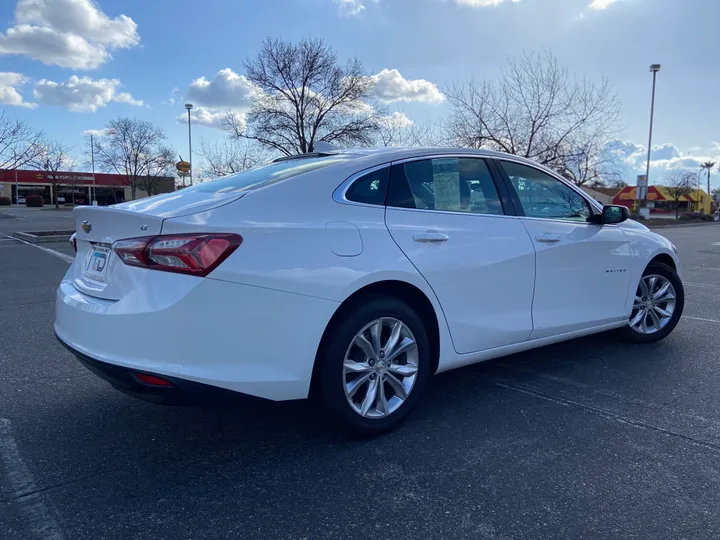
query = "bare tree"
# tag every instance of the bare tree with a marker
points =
(618, 183)
(18, 142)
(303, 96)
(396, 130)
(158, 164)
(679, 185)
(539, 111)
(230, 156)
(54, 159)
(137, 149)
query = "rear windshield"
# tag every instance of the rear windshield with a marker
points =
(266, 174)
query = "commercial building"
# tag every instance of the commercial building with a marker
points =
(76, 187)
(660, 200)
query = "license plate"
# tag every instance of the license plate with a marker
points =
(96, 266)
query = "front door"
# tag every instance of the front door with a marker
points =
(582, 270)
(446, 216)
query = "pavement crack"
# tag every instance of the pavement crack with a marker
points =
(608, 415)
(34, 492)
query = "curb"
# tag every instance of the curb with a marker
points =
(681, 225)
(34, 238)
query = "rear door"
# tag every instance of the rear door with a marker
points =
(582, 269)
(447, 215)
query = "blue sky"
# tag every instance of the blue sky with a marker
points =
(67, 66)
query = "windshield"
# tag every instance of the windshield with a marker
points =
(266, 175)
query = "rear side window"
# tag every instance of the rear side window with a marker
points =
(370, 188)
(266, 174)
(447, 184)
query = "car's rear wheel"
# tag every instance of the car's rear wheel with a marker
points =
(657, 307)
(375, 365)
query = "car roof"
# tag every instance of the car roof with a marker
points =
(377, 155)
(400, 152)
(362, 158)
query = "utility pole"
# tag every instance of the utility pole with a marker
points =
(189, 107)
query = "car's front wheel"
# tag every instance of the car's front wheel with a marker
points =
(375, 365)
(657, 307)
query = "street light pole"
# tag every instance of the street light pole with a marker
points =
(189, 107)
(654, 68)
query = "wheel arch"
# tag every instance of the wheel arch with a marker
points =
(402, 290)
(664, 258)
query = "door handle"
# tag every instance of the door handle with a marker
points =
(548, 238)
(431, 237)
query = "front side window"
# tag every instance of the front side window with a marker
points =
(447, 184)
(370, 188)
(543, 196)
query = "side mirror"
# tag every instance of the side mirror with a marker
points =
(614, 214)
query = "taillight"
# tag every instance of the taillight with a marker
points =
(194, 254)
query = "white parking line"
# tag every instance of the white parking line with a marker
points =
(66, 258)
(39, 517)
(701, 285)
(701, 319)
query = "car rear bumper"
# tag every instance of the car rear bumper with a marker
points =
(250, 340)
(178, 392)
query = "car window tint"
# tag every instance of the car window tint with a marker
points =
(543, 196)
(370, 189)
(448, 184)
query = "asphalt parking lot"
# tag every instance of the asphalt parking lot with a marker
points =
(586, 439)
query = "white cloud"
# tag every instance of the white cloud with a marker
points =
(632, 158)
(175, 97)
(82, 94)
(482, 3)
(210, 117)
(96, 132)
(227, 89)
(227, 92)
(391, 86)
(349, 8)
(67, 33)
(9, 94)
(602, 4)
(396, 120)
(124, 97)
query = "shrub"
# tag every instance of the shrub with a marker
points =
(5, 201)
(34, 201)
(696, 216)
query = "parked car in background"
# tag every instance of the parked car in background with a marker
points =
(353, 276)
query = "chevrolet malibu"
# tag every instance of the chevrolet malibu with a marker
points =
(353, 276)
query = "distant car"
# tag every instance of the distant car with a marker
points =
(353, 276)
(21, 200)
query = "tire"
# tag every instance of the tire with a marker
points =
(334, 380)
(631, 335)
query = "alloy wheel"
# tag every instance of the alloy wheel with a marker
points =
(380, 368)
(654, 304)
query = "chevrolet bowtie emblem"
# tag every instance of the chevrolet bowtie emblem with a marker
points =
(86, 226)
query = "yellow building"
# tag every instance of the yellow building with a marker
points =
(661, 201)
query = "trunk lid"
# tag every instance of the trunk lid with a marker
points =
(98, 271)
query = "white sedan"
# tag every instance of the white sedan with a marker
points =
(353, 276)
